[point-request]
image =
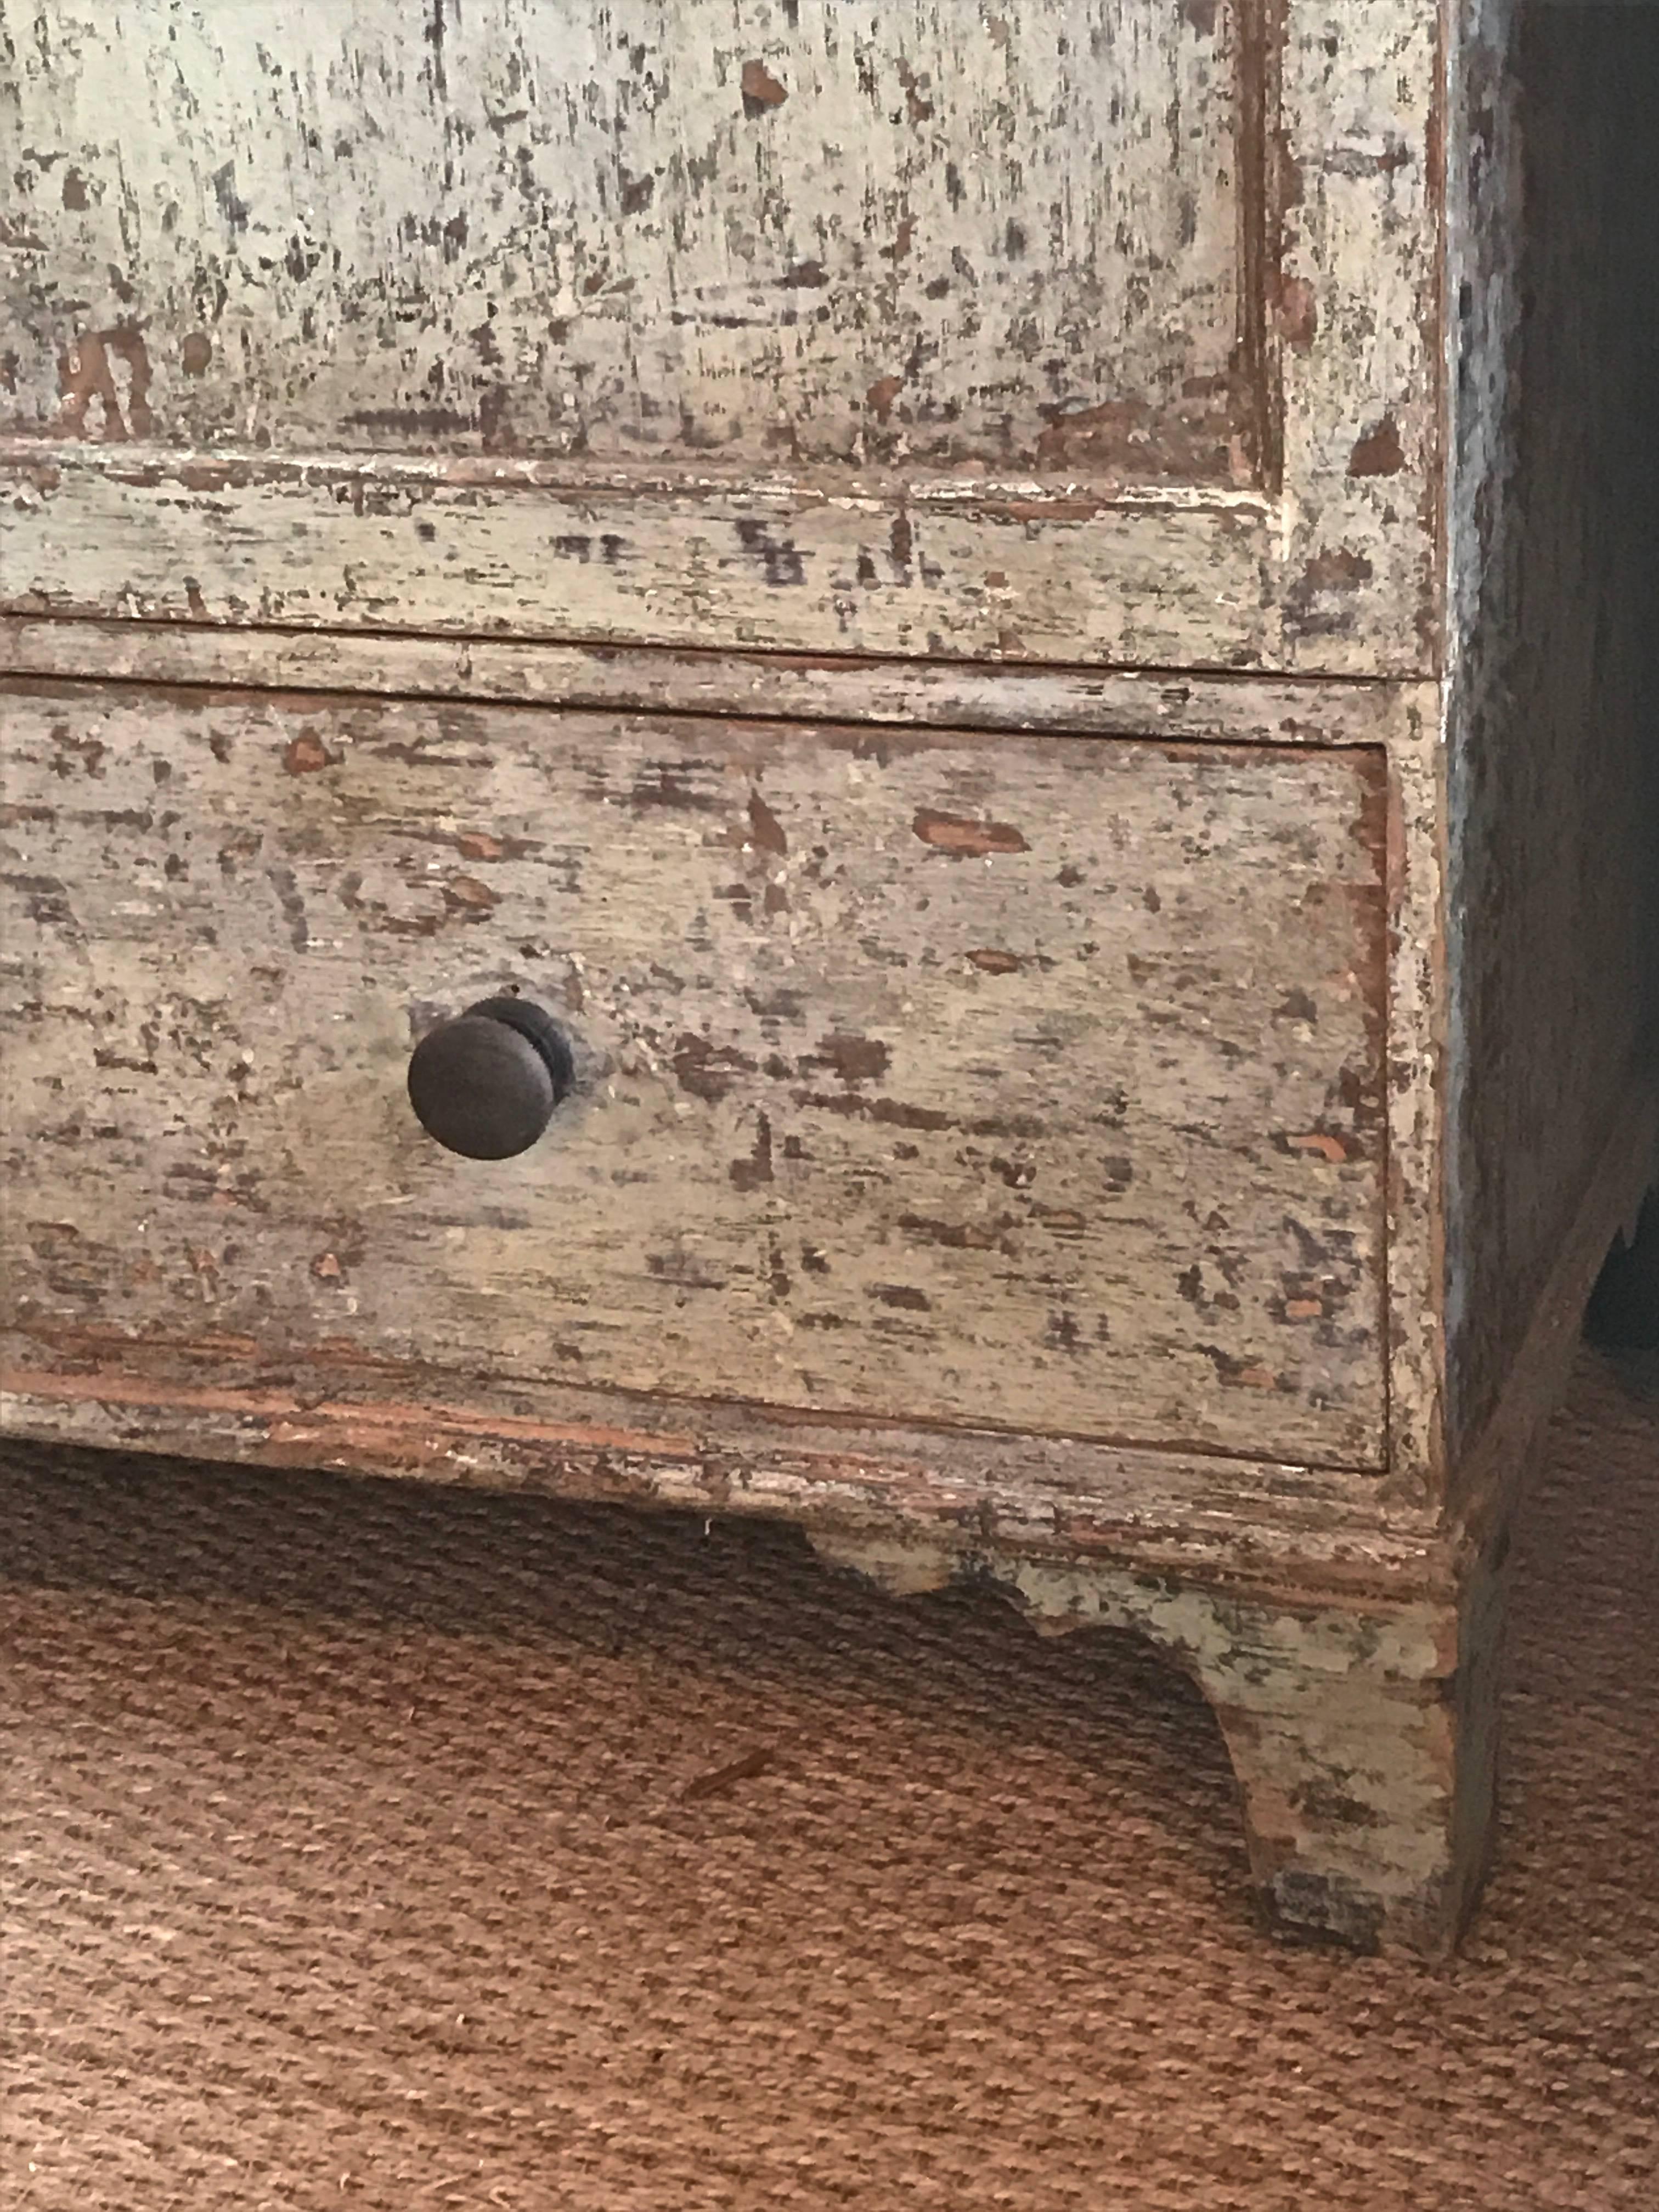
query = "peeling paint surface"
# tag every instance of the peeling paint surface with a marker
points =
(1051, 331)
(827, 1153)
(626, 231)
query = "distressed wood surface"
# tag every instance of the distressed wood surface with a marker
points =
(1364, 1737)
(634, 231)
(997, 333)
(1348, 1655)
(1417, 1076)
(1033, 1083)
(519, 549)
(1277, 1530)
(1188, 709)
(1405, 720)
(1076, 1159)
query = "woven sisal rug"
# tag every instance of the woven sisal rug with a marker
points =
(370, 1846)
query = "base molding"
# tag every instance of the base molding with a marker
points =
(1257, 1523)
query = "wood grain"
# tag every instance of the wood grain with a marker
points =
(1030, 1084)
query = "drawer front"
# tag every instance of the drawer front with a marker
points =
(833, 328)
(1022, 1082)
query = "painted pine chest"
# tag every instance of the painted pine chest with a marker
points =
(851, 761)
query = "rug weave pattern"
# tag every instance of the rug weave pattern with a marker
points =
(368, 1845)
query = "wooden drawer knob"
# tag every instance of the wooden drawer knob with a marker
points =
(486, 1084)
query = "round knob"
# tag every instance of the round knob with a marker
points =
(486, 1084)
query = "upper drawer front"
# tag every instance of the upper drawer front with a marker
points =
(911, 328)
(1030, 1082)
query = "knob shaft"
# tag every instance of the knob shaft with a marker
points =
(486, 1084)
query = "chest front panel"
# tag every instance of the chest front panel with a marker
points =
(1083, 329)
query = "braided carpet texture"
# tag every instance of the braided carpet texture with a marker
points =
(374, 1846)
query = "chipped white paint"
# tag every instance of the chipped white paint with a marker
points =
(1031, 1083)
(1403, 719)
(1185, 710)
(512, 550)
(632, 230)
(1078, 329)
(1417, 1065)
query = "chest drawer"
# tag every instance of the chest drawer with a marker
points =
(1006, 1081)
